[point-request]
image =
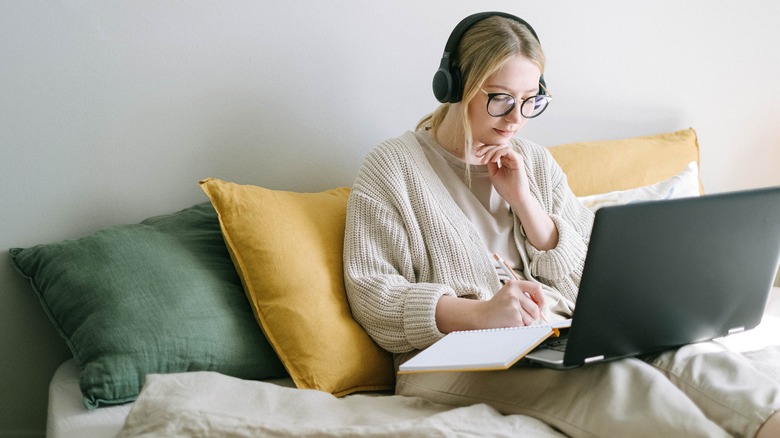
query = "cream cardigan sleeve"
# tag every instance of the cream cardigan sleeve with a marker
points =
(385, 296)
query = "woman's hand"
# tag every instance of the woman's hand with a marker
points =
(508, 176)
(506, 170)
(515, 304)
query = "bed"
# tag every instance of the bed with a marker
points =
(199, 322)
(67, 416)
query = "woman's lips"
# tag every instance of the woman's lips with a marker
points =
(504, 133)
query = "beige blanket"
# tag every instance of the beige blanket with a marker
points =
(202, 404)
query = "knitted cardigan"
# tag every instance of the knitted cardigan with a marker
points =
(407, 242)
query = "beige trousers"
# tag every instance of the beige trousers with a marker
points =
(699, 390)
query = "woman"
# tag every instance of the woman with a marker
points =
(427, 211)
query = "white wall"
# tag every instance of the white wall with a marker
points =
(111, 111)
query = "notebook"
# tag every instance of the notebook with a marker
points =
(662, 274)
(480, 350)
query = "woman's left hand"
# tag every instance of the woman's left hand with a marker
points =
(511, 182)
(506, 170)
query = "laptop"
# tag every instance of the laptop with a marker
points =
(662, 274)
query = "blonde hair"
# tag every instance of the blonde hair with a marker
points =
(484, 49)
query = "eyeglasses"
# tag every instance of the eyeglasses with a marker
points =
(501, 104)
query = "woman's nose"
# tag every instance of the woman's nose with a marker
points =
(514, 116)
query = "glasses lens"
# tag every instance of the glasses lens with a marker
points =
(500, 104)
(534, 106)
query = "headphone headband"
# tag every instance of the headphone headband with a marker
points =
(447, 83)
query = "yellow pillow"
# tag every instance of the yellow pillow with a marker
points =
(287, 248)
(606, 166)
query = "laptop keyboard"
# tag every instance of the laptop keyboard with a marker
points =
(556, 344)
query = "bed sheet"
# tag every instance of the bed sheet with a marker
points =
(68, 417)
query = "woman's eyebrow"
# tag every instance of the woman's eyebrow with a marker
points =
(533, 90)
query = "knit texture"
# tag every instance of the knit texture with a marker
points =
(407, 242)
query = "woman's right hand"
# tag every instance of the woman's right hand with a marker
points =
(517, 303)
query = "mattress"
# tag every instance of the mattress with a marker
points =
(68, 417)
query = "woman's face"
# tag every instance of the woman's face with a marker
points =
(518, 77)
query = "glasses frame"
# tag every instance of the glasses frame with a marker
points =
(545, 94)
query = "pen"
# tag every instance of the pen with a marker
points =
(508, 271)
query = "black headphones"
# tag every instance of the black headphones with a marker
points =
(447, 82)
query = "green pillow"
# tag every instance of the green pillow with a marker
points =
(161, 296)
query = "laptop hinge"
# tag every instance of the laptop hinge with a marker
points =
(736, 330)
(594, 358)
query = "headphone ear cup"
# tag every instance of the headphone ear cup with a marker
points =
(442, 84)
(446, 84)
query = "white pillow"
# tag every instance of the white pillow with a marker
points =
(682, 185)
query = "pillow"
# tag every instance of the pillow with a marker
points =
(288, 250)
(606, 166)
(161, 296)
(684, 184)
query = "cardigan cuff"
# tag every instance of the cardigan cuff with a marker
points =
(563, 260)
(419, 314)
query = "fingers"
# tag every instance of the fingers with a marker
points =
(528, 298)
(532, 290)
(529, 311)
(492, 153)
(536, 293)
